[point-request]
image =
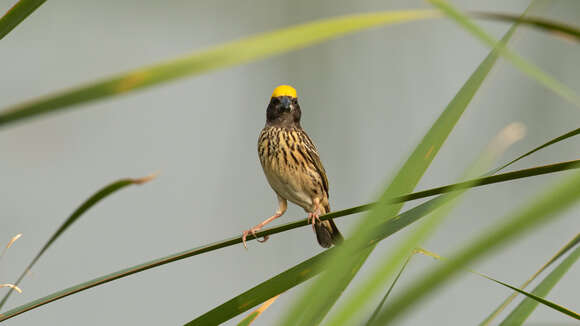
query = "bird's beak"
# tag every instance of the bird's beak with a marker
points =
(286, 103)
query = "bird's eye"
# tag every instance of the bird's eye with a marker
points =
(295, 101)
(275, 100)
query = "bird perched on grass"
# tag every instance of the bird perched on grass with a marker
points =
(292, 166)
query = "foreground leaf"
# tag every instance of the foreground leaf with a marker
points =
(539, 211)
(17, 14)
(222, 56)
(90, 202)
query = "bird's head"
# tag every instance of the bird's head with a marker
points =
(283, 109)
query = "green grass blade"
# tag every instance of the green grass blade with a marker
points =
(553, 141)
(518, 290)
(85, 206)
(226, 55)
(509, 299)
(539, 211)
(17, 14)
(384, 299)
(526, 307)
(344, 265)
(555, 28)
(302, 271)
(523, 65)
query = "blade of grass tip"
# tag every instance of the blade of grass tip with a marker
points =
(345, 266)
(11, 286)
(10, 243)
(523, 65)
(293, 276)
(519, 315)
(85, 206)
(551, 142)
(17, 14)
(384, 299)
(555, 28)
(256, 313)
(228, 54)
(509, 299)
(539, 211)
(532, 296)
(364, 293)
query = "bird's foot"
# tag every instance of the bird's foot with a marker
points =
(313, 218)
(253, 231)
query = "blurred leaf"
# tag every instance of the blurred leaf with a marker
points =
(11, 286)
(17, 14)
(509, 299)
(90, 202)
(256, 313)
(344, 265)
(365, 292)
(523, 65)
(293, 276)
(553, 27)
(225, 55)
(526, 307)
(538, 211)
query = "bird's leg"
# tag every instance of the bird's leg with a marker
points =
(314, 216)
(282, 205)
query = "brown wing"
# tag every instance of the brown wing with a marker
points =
(314, 158)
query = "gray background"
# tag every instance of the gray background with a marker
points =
(367, 99)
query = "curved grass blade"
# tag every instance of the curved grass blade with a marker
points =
(17, 14)
(518, 290)
(539, 211)
(557, 29)
(256, 313)
(85, 206)
(523, 65)
(553, 141)
(229, 54)
(526, 307)
(344, 265)
(509, 299)
(293, 276)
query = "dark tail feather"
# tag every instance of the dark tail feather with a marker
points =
(327, 233)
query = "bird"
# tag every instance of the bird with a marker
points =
(293, 168)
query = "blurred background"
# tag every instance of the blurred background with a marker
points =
(367, 100)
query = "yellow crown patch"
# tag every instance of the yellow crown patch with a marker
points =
(284, 90)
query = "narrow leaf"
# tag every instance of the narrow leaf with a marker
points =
(229, 54)
(509, 299)
(526, 307)
(557, 29)
(90, 202)
(17, 14)
(523, 65)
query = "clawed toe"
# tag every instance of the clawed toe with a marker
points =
(253, 231)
